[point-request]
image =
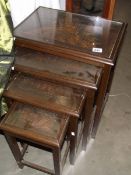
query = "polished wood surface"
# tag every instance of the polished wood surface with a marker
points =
(46, 95)
(50, 96)
(57, 68)
(37, 124)
(109, 6)
(87, 39)
(69, 5)
(64, 71)
(44, 129)
(68, 72)
(70, 34)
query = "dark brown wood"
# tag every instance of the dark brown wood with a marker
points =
(50, 96)
(24, 149)
(66, 152)
(37, 167)
(116, 54)
(80, 134)
(100, 98)
(106, 80)
(35, 123)
(57, 161)
(87, 39)
(46, 94)
(54, 68)
(89, 118)
(80, 29)
(38, 126)
(69, 54)
(15, 149)
(73, 126)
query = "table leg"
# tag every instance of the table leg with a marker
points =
(15, 149)
(89, 118)
(73, 138)
(57, 161)
(101, 94)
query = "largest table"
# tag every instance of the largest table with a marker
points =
(92, 40)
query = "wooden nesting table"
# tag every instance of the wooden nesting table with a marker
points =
(57, 84)
(50, 96)
(90, 40)
(67, 72)
(37, 127)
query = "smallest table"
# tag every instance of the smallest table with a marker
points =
(42, 128)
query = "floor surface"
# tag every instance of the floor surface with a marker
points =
(110, 153)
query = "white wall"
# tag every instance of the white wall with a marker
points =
(20, 9)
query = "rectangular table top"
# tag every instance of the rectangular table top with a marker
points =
(57, 68)
(35, 124)
(70, 34)
(44, 94)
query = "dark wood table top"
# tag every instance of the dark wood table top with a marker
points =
(44, 94)
(34, 123)
(57, 68)
(70, 34)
